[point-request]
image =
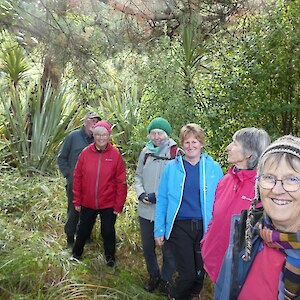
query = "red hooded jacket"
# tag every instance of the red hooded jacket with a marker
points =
(100, 179)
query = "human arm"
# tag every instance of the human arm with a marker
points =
(78, 182)
(121, 193)
(161, 207)
(63, 156)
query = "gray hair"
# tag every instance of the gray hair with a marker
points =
(254, 141)
(286, 147)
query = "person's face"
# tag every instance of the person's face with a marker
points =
(281, 206)
(236, 155)
(192, 147)
(89, 123)
(101, 137)
(157, 136)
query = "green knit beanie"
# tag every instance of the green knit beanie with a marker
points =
(160, 123)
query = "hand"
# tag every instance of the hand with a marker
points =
(116, 213)
(144, 198)
(160, 240)
(78, 208)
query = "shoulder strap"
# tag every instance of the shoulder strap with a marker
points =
(173, 152)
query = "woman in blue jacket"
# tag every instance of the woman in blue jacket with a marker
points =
(184, 209)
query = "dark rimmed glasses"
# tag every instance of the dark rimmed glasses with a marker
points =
(289, 183)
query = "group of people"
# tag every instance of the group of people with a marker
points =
(242, 229)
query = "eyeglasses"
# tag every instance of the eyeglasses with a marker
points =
(289, 184)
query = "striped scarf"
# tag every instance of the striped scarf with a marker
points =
(289, 243)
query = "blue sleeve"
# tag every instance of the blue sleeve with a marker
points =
(161, 204)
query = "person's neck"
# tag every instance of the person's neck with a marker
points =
(192, 161)
(101, 148)
(289, 228)
(88, 132)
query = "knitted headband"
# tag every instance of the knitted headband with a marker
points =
(104, 124)
(286, 144)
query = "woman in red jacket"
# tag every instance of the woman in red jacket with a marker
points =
(99, 188)
(235, 192)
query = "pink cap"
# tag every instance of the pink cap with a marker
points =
(104, 124)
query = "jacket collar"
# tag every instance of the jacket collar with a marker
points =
(242, 175)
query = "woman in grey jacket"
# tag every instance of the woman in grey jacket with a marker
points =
(152, 161)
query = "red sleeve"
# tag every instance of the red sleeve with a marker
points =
(121, 185)
(77, 184)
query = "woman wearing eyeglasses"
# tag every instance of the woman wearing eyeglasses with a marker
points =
(99, 188)
(263, 260)
(234, 193)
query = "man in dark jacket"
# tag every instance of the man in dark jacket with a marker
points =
(74, 143)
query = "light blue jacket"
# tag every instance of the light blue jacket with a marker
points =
(170, 193)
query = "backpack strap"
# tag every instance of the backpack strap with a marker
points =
(173, 152)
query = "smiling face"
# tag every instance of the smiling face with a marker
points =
(281, 206)
(101, 137)
(236, 155)
(192, 148)
(157, 136)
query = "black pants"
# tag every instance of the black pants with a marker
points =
(185, 245)
(72, 214)
(86, 222)
(149, 251)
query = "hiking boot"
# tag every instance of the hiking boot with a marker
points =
(111, 263)
(152, 283)
(164, 287)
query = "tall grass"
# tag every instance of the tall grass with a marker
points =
(34, 261)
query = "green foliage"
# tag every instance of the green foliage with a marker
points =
(35, 124)
(122, 109)
(14, 63)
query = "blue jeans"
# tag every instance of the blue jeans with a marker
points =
(148, 243)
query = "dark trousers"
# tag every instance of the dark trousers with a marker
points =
(149, 251)
(72, 214)
(87, 220)
(185, 245)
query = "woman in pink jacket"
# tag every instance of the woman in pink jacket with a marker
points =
(234, 193)
(262, 261)
(99, 188)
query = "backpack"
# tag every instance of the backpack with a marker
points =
(173, 151)
(234, 269)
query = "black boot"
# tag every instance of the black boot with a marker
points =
(152, 283)
(164, 287)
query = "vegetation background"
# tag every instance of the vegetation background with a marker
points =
(222, 64)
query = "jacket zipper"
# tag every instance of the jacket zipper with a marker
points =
(97, 181)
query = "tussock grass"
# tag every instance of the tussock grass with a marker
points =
(34, 261)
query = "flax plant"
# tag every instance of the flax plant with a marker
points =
(37, 125)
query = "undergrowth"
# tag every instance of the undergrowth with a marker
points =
(35, 262)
